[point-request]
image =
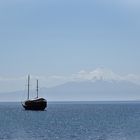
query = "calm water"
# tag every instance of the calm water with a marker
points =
(71, 121)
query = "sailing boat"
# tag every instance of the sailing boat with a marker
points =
(34, 104)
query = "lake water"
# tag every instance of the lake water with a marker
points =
(71, 121)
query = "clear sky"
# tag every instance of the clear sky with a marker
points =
(51, 37)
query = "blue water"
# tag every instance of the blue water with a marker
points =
(71, 121)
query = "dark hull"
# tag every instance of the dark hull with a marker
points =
(36, 104)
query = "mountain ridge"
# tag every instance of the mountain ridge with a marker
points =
(99, 90)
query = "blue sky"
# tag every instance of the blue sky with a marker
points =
(51, 37)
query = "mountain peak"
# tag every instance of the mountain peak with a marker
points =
(98, 74)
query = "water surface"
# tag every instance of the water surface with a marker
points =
(71, 121)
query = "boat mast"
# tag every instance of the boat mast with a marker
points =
(28, 86)
(37, 89)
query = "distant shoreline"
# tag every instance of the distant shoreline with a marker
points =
(84, 102)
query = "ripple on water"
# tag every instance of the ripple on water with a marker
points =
(71, 122)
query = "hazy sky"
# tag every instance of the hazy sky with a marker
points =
(51, 37)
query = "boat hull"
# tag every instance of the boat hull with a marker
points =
(36, 104)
